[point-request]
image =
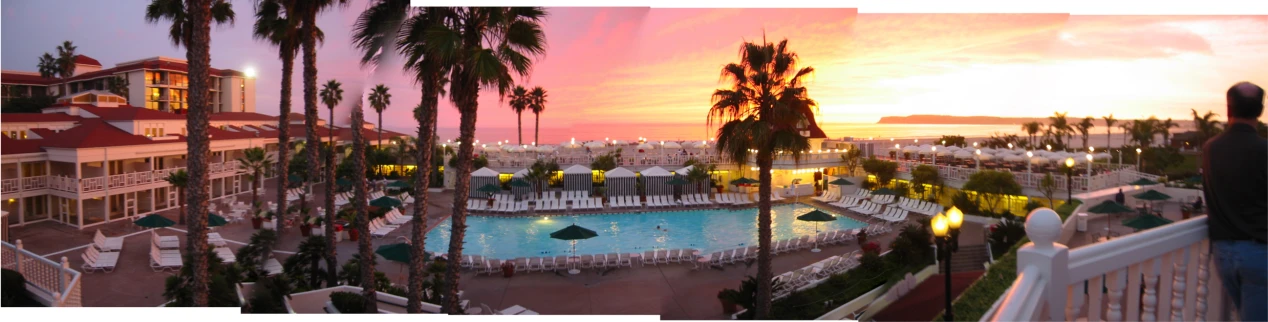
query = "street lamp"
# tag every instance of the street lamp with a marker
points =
(1029, 158)
(977, 160)
(1137, 159)
(933, 157)
(1049, 148)
(1069, 185)
(1010, 146)
(946, 230)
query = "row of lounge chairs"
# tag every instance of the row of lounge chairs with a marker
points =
(829, 196)
(867, 208)
(618, 202)
(696, 200)
(734, 199)
(95, 260)
(920, 206)
(892, 215)
(661, 201)
(165, 253)
(883, 199)
(668, 256)
(566, 196)
(815, 273)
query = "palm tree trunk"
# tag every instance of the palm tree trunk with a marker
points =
(363, 218)
(310, 108)
(283, 131)
(255, 190)
(198, 54)
(537, 122)
(1108, 135)
(422, 180)
(380, 143)
(519, 127)
(332, 263)
(764, 274)
(461, 192)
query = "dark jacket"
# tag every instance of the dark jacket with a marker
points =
(1235, 181)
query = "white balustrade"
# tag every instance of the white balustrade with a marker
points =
(10, 185)
(1158, 274)
(57, 281)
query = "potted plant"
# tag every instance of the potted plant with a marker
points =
(314, 222)
(257, 221)
(718, 187)
(728, 298)
(508, 269)
(305, 227)
(1185, 212)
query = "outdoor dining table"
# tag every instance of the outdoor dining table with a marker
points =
(518, 310)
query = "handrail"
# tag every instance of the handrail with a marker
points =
(63, 289)
(1021, 302)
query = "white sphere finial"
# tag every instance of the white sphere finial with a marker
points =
(1043, 227)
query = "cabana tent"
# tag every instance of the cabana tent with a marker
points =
(481, 177)
(621, 182)
(578, 178)
(654, 179)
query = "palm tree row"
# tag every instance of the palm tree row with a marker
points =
(521, 100)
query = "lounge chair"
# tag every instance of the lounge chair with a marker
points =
(272, 267)
(587, 261)
(649, 257)
(98, 261)
(625, 260)
(613, 260)
(535, 264)
(662, 256)
(672, 256)
(165, 242)
(226, 255)
(161, 260)
(107, 244)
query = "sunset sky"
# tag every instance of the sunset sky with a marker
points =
(612, 69)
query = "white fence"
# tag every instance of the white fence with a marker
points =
(1163, 273)
(54, 284)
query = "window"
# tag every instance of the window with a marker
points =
(154, 78)
(181, 80)
(22, 134)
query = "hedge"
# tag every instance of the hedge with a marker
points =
(978, 298)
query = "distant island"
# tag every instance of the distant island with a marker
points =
(988, 120)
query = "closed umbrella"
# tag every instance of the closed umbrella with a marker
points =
(154, 221)
(1145, 221)
(573, 233)
(214, 220)
(385, 202)
(816, 216)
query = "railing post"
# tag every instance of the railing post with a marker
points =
(62, 277)
(1043, 227)
(17, 258)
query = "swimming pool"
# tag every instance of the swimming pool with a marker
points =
(708, 230)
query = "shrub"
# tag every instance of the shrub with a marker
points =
(912, 247)
(871, 248)
(965, 203)
(348, 302)
(266, 295)
(1006, 233)
(1032, 205)
(992, 186)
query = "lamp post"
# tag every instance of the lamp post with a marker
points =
(1069, 171)
(1089, 167)
(1049, 148)
(977, 159)
(1029, 158)
(946, 230)
(933, 157)
(1137, 159)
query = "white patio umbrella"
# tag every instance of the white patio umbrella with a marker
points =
(570, 145)
(985, 156)
(893, 148)
(619, 142)
(492, 148)
(508, 147)
(672, 145)
(645, 146)
(963, 154)
(545, 148)
(1101, 156)
(911, 148)
(950, 148)
(701, 145)
(595, 144)
(518, 149)
(1014, 158)
(1038, 160)
(943, 153)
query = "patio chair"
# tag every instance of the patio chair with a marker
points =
(98, 261)
(107, 244)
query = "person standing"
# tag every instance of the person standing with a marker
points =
(1235, 184)
(1120, 197)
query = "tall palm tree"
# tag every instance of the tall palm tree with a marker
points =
(380, 99)
(48, 66)
(253, 163)
(1143, 131)
(331, 95)
(538, 105)
(483, 46)
(309, 36)
(360, 206)
(1164, 128)
(519, 102)
(191, 27)
(396, 24)
(277, 22)
(1207, 126)
(1085, 126)
(1060, 127)
(760, 109)
(1031, 129)
(1109, 126)
(1127, 129)
(62, 66)
(180, 180)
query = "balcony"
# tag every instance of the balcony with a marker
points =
(1163, 273)
(98, 184)
(53, 284)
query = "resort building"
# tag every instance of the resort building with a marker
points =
(156, 83)
(92, 158)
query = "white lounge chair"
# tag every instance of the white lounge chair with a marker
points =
(107, 244)
(98, 261)
(165, 242)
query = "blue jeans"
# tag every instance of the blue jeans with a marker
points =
(1243, 266)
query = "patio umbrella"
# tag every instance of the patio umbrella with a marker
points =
(816, 216)
(671, 145)
(214, 220)
(594, 144)
(743, 180)
(573, 233)
(1145, 221)
(490, 188)
(398, 252)
(676, 181)
(884, 191)
(1152, 195)
(1109, 207)
(1194, 180)
(342, 182)
(399, 184)
(1142, 182)
(520, 183)
(841, 182)
(385, 202)
(154, 221)
(294, 178)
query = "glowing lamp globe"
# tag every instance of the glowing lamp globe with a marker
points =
(939, 225)
(1069, 162)
(955, 218)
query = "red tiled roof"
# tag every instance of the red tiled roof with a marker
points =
(38, 117)
(15, 78)
(93, 133)
(241, 116)
(42, 132)
(81, 59)
(13, 146)
(128, 113)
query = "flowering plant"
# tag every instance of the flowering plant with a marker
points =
(338, 228)
(872, 247)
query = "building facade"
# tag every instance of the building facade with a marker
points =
(156, 83)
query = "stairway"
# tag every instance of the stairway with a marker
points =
(968, 258)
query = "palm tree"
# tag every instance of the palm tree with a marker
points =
(483, 46)
(277, 22)
(1031, 129)
(62, 66)
(1143, 131)
(1127, 129)
(1060, 126)
(180, 180)
(191, 27)
(359, 205)
(331, 95)
(538, 105)
(1109, 126)
(388, 23)
(380, 99)
(759, 111)
(1164, 128)
(1085, 126)
(519, 102)
(309, 36)
(48, 66)
(118, 85)
(1207, 126)
(253, 163)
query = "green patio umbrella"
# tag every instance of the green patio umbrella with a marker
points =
(398, 252)
(490, 188)
(1109, 207)
(884, 191)
(399, 184)
(520, 183)
(1152, 195)
(385, 202)
(676, 181)
(1145, 221)
(744, 180)
(1194, 180)
(841, 182)
(214, 220)
(816, 216)
(573, 233)
(154, 221)
(1142, 182)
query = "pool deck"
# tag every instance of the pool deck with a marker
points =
(673, 291)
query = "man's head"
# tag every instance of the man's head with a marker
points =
(1245, 101)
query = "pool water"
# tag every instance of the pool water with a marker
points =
(708, 230)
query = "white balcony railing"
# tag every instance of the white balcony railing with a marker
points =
(52, 283)
(1163, 273)
(96, 184)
